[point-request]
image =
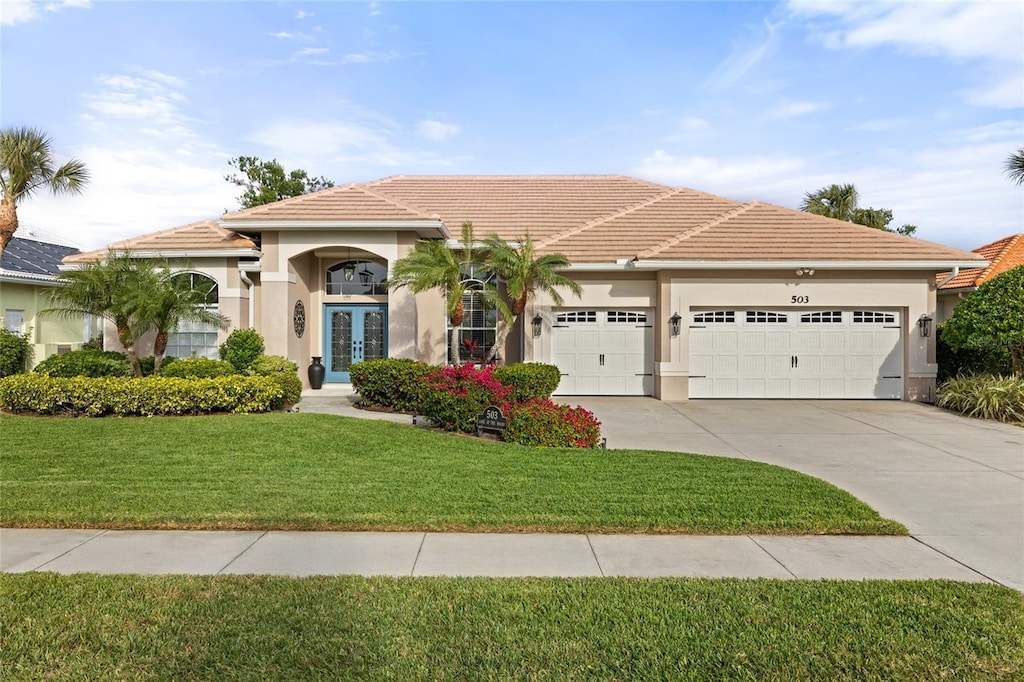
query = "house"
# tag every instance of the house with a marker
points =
(28, 272)
(1002, 255)
(685, 294)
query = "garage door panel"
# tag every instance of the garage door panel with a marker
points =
(604, 352)
(806, 354)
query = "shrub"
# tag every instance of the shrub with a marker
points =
(540, 422)
(14, 352)
(966, 360)
(95, 343)
(241, 348)
(985, 396)
(393, 383)
(148, 364)
(529, 380)
(284, 372)
(86, 363)
(124, 396)
(197, 368)
(455, 396)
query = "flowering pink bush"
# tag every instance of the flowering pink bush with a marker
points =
(457, 395)
(540, 421)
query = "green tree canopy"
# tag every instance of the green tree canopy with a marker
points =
(1015, 166)
(265, 182)
(840, 202)
(26, 164)
(991, 315)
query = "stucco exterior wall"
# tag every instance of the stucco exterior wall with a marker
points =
(46, 333)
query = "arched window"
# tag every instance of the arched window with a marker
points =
(196, 339)
(357, 277)
(480, 323)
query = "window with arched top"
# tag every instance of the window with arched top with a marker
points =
(480, 322)
(357, 278)
(196, 339)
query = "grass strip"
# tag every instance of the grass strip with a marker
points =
(350, 628)
(324, 472)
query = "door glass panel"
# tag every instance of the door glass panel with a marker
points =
(373, 335)
(341, 340)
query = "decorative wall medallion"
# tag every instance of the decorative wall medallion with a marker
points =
(299, 319)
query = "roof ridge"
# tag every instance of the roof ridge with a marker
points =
(999, 257)
(686, 234)
(394, 202)
(290, 200)
(610, 216)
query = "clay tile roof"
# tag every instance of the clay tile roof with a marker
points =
(347, 203)
(203, 235)
(1002, 255)
(768, 232)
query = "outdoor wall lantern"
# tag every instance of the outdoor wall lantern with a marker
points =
(348, 271)
(673, 324)
(538, 323)
(924, 325)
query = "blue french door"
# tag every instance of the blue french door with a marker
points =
(352, 333)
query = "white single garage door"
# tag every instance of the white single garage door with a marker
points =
(796, 354)
(604, 352)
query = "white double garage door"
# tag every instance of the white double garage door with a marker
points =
(736, 353)
(796, 354)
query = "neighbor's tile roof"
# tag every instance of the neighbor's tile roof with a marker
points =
(200, 236)
(34, 258)
(1002, 255)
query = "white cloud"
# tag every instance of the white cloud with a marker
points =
(742, 178)
(132, 97)
(302, 14)
(794, 109)
(744, 57)
(436, 130)
(374, 10)
(988, 34)
(368, 57)
(286, 35)
(311, 51)
(881, 124)
(19, 11)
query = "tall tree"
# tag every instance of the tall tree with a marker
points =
(434, 264)
(1014, 166)
(267, 181)
(525, 274)
(26, 164)
(840, 202)
(991, 315)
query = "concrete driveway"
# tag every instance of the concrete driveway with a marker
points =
(956, 483)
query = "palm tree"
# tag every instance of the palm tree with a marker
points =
(26, 164)
(525, 274)
(433, 264)
(1015, 167)
(170, 300)
(112, 289)
(834, 201)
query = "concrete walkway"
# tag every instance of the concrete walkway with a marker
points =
(957, 483)
(472, 554)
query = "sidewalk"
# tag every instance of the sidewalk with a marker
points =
(473, 554)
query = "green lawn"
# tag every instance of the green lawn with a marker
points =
(264, 628)
(312, 471)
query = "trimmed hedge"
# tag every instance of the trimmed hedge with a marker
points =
(394, 383)
(529, 380)
(985, 397)
(123, 397)
(968, 361)
(14, 352)
(197, 368)
(284, 372)
(86, 363)
(541, 422)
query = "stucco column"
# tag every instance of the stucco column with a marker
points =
(275, 312)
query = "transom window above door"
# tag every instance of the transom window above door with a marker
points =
(357, 278)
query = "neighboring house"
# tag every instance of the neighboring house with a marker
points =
(685, 294)
(28, 271)
(1002, 255)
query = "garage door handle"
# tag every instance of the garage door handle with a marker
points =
(899, 376)
(601, 359)
(643, 375)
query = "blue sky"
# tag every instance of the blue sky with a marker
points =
(918, 104)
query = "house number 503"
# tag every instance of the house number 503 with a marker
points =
(800, 299)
